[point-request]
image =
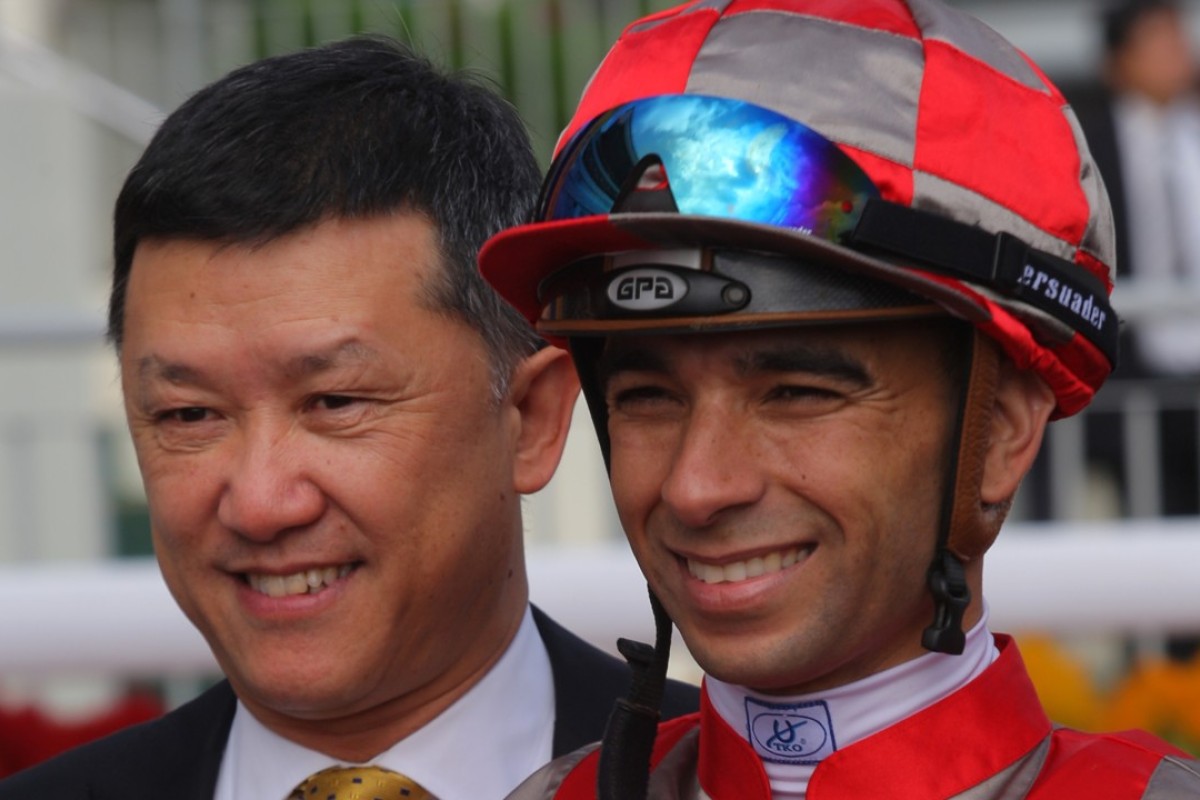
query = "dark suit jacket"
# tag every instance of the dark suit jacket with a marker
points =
(178, 756)
(1094, 108)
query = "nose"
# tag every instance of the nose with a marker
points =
(713, 469)
(270, 489)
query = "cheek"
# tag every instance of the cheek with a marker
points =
(182, 494)
(185, 536)
(631, 507)
(431, 499)
(635, 503)
(435, 438)
(636, 478)
(389, 464)
(870, 477)
(909, 479)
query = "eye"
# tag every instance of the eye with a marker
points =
(186, 427)
(639, 398)
(793, 391)
(638, 394)
(804, 398)
(334, 402)
(187, 415)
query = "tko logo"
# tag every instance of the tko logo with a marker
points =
(646, 289)
(788, 736)
(800, 733)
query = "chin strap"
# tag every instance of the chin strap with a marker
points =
(624, 768)
(623, 772)
(964, 534)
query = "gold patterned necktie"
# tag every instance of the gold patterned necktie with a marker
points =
(358, 783)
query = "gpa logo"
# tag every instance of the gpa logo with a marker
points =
(646, 289)
(790, 733)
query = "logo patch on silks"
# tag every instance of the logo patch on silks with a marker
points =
(790, 733)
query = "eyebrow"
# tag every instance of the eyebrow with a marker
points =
(155, 367)
(351, 352)
(824, 361)
(177, 373)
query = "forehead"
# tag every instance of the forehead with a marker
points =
(400, 248)
(302, 296)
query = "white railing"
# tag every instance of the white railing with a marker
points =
(1131, 578)
(1137, 404)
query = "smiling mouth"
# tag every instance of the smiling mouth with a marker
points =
(754, 567)
(309, 581)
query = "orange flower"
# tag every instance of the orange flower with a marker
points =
(1160, 696)
(1064, 685)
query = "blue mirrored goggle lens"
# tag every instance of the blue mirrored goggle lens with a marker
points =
(722, 158)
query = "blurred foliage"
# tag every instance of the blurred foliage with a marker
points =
(538, 52)
(1154, 694)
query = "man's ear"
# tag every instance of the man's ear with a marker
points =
(1022, 408)
(543, 390)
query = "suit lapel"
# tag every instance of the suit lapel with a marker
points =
(177, 756)
(587, 682)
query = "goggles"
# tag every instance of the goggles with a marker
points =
(719, 158)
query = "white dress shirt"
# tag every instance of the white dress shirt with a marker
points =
(1160, 167)
(485, 744)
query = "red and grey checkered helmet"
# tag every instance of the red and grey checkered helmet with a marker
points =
(916, 147)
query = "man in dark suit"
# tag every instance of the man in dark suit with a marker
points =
(1148, 79)
(335, 420)
(1143, 129)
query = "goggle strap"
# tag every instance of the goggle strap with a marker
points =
(1001, 262)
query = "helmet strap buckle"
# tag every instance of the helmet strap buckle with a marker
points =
(947, 582)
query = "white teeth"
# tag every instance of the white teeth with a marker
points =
(735, 571)
(307, 582)
(751, 568)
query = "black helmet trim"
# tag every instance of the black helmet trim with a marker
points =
(652, 290)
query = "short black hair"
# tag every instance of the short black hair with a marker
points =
(1120, 18)
(358, 128)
